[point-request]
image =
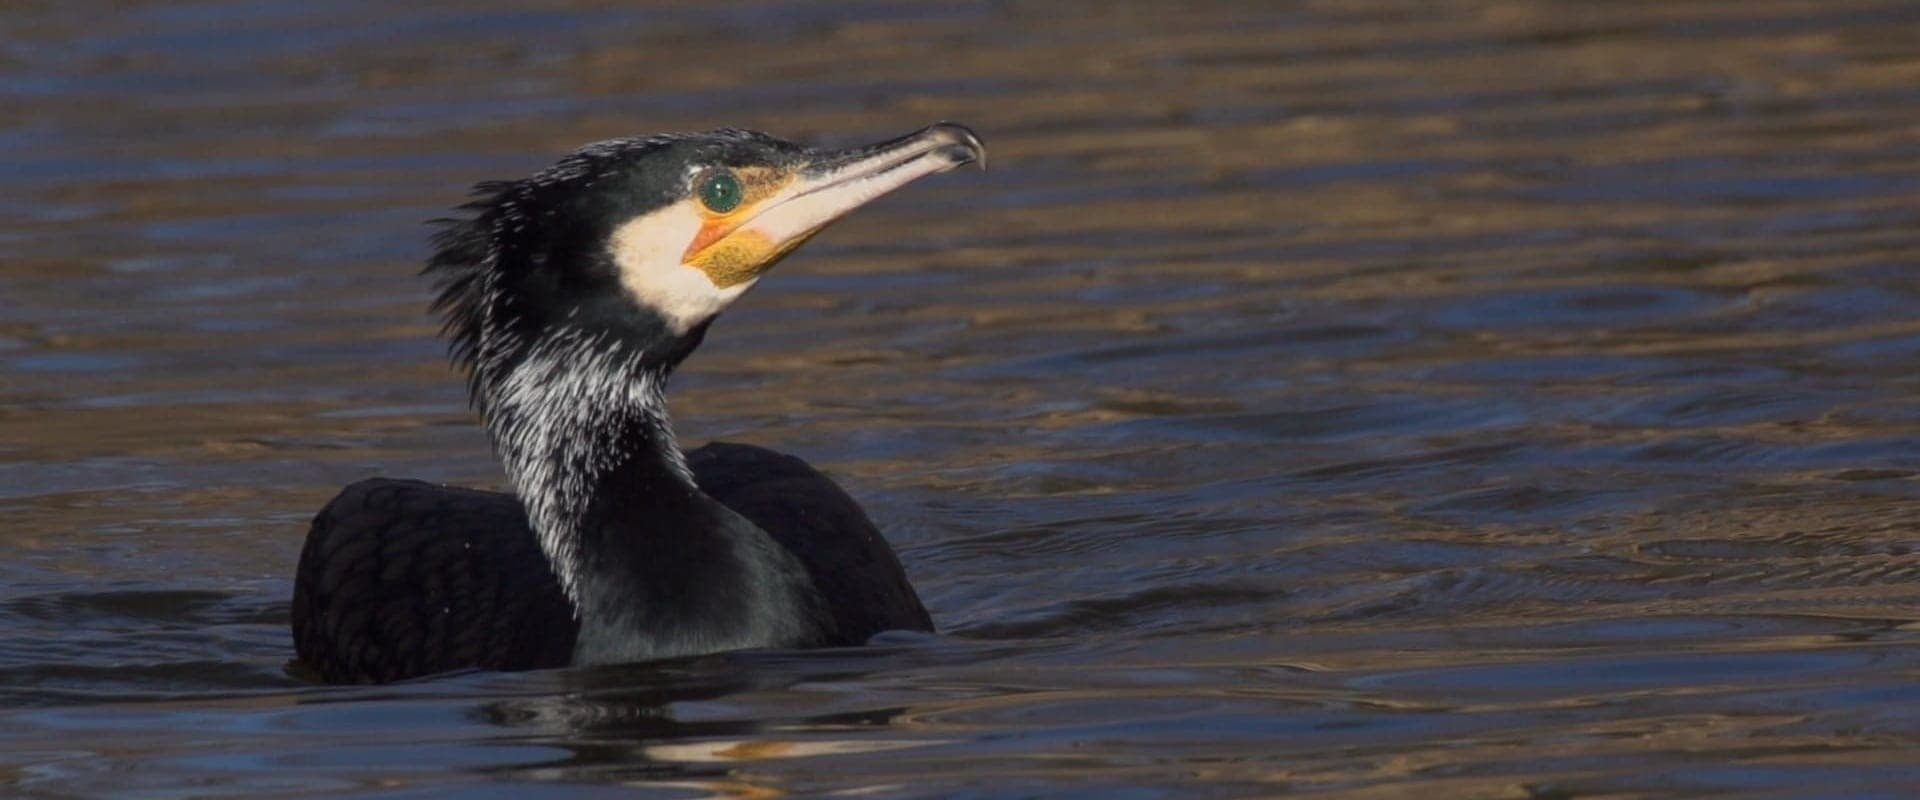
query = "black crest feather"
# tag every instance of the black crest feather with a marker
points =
(470, 251)
(462, 258)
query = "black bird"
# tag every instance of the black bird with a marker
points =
(569, 297)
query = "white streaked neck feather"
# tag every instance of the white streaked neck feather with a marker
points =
(565, 420)
(550, 418)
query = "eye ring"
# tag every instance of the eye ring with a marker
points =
(719, 190)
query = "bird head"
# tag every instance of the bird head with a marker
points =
(632, 246)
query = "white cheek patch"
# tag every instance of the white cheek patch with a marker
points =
(648, 251)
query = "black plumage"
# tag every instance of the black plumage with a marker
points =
(404, 578)
(570, 297)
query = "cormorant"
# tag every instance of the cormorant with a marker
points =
(569, 297)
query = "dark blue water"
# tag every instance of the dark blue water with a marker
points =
(1351, 398)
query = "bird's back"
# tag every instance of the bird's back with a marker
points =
(404, 578)
(400, 579)
(855, 570)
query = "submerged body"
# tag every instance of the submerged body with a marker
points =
(403, 578)
(570, 297)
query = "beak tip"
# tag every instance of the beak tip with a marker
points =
(960, 143)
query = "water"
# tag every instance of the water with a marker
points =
(1493, 399)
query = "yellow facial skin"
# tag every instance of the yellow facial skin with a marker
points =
(730, 256)
(780, 208)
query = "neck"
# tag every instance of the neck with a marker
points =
(654, 567)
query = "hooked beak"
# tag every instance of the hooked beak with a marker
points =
(827, 186)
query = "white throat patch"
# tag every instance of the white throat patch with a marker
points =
(648, 253)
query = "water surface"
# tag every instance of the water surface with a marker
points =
(1494, 399)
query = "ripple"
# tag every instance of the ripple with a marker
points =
(1358, 398)
(1595, 306)
(1603, 676)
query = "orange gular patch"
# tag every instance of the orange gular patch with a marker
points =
(726, 253)
(742, 256)
(734, 260)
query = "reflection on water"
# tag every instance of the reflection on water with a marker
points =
(1496, 398)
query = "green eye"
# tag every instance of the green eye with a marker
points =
(720, 191)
